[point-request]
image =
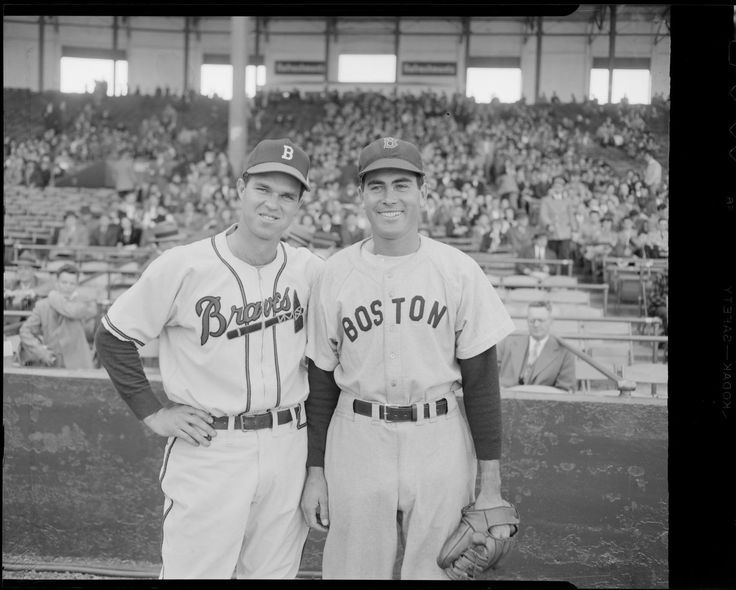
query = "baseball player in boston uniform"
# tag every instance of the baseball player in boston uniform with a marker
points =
(398, 324)
(230, 314)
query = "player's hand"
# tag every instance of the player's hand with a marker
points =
(185, 422)
(314, 500)
(483, 502)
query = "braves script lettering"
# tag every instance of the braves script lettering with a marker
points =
(273, 310)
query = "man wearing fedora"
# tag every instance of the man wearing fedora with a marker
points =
(22, 291)
(229, 311)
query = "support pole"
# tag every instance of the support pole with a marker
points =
(41, 51)
(611, 51)
(186, 56)
(538, 68)
(238, 121)
(624, 386)
(115, 50)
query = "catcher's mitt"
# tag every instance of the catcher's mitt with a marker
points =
(471, 549)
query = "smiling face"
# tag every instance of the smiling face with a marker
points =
(269, 203)
(393, 200)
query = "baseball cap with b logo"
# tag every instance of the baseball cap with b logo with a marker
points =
(389, 152)
(279, 155)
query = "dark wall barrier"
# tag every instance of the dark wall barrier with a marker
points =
(589, 477)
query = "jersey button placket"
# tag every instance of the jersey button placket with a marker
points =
(393, 340)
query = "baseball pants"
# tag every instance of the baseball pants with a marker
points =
(425, 469)
(232, 509)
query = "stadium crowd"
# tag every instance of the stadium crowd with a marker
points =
(488, 167)
(500, 177)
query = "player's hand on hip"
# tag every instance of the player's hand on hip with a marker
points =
(185, 422)
(314, 500)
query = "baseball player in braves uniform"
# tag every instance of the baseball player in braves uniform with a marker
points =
(230, 314)
(398, 324)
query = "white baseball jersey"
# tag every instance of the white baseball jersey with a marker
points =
(232, 336)
(393, 334)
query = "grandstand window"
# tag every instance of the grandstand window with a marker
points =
(218, 79)
(366, 68)
(79, 74)
(485, 84)
(634, 84)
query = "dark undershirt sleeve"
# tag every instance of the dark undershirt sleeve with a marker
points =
(320, 405)
(123, 363)
(482, 399)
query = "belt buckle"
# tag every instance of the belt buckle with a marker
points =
(241, 418)
(400, 413)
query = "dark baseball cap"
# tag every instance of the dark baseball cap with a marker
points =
(389, 152)
(279, 155)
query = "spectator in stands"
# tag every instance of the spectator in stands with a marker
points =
(521, 235)
(457, 226)
(653, 172)
(659, 239)
(124, 175)
(190, 221)
(54, 333)
(539, 358)
(104, 232)
(628, 244)
(22, 291)
(495, 241)
(657, 299)
(537, 251)
(32, 174)
(481, 227)
(45, 170)
(351, 232)
(606, 240)
(557, 216)
(128, 235)
(72, 233)
(325, 235)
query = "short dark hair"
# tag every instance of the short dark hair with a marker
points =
(245, 176)
(69, 268)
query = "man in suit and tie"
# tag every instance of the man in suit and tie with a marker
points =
(538, 251)
(537, 359)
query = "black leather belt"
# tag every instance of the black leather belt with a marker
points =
(252, 422)
(397, 413)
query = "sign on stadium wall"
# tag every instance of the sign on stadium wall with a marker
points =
(428, 68)
(300, 67)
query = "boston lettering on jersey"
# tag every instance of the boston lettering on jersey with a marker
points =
(416, 309)
(273, 310)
